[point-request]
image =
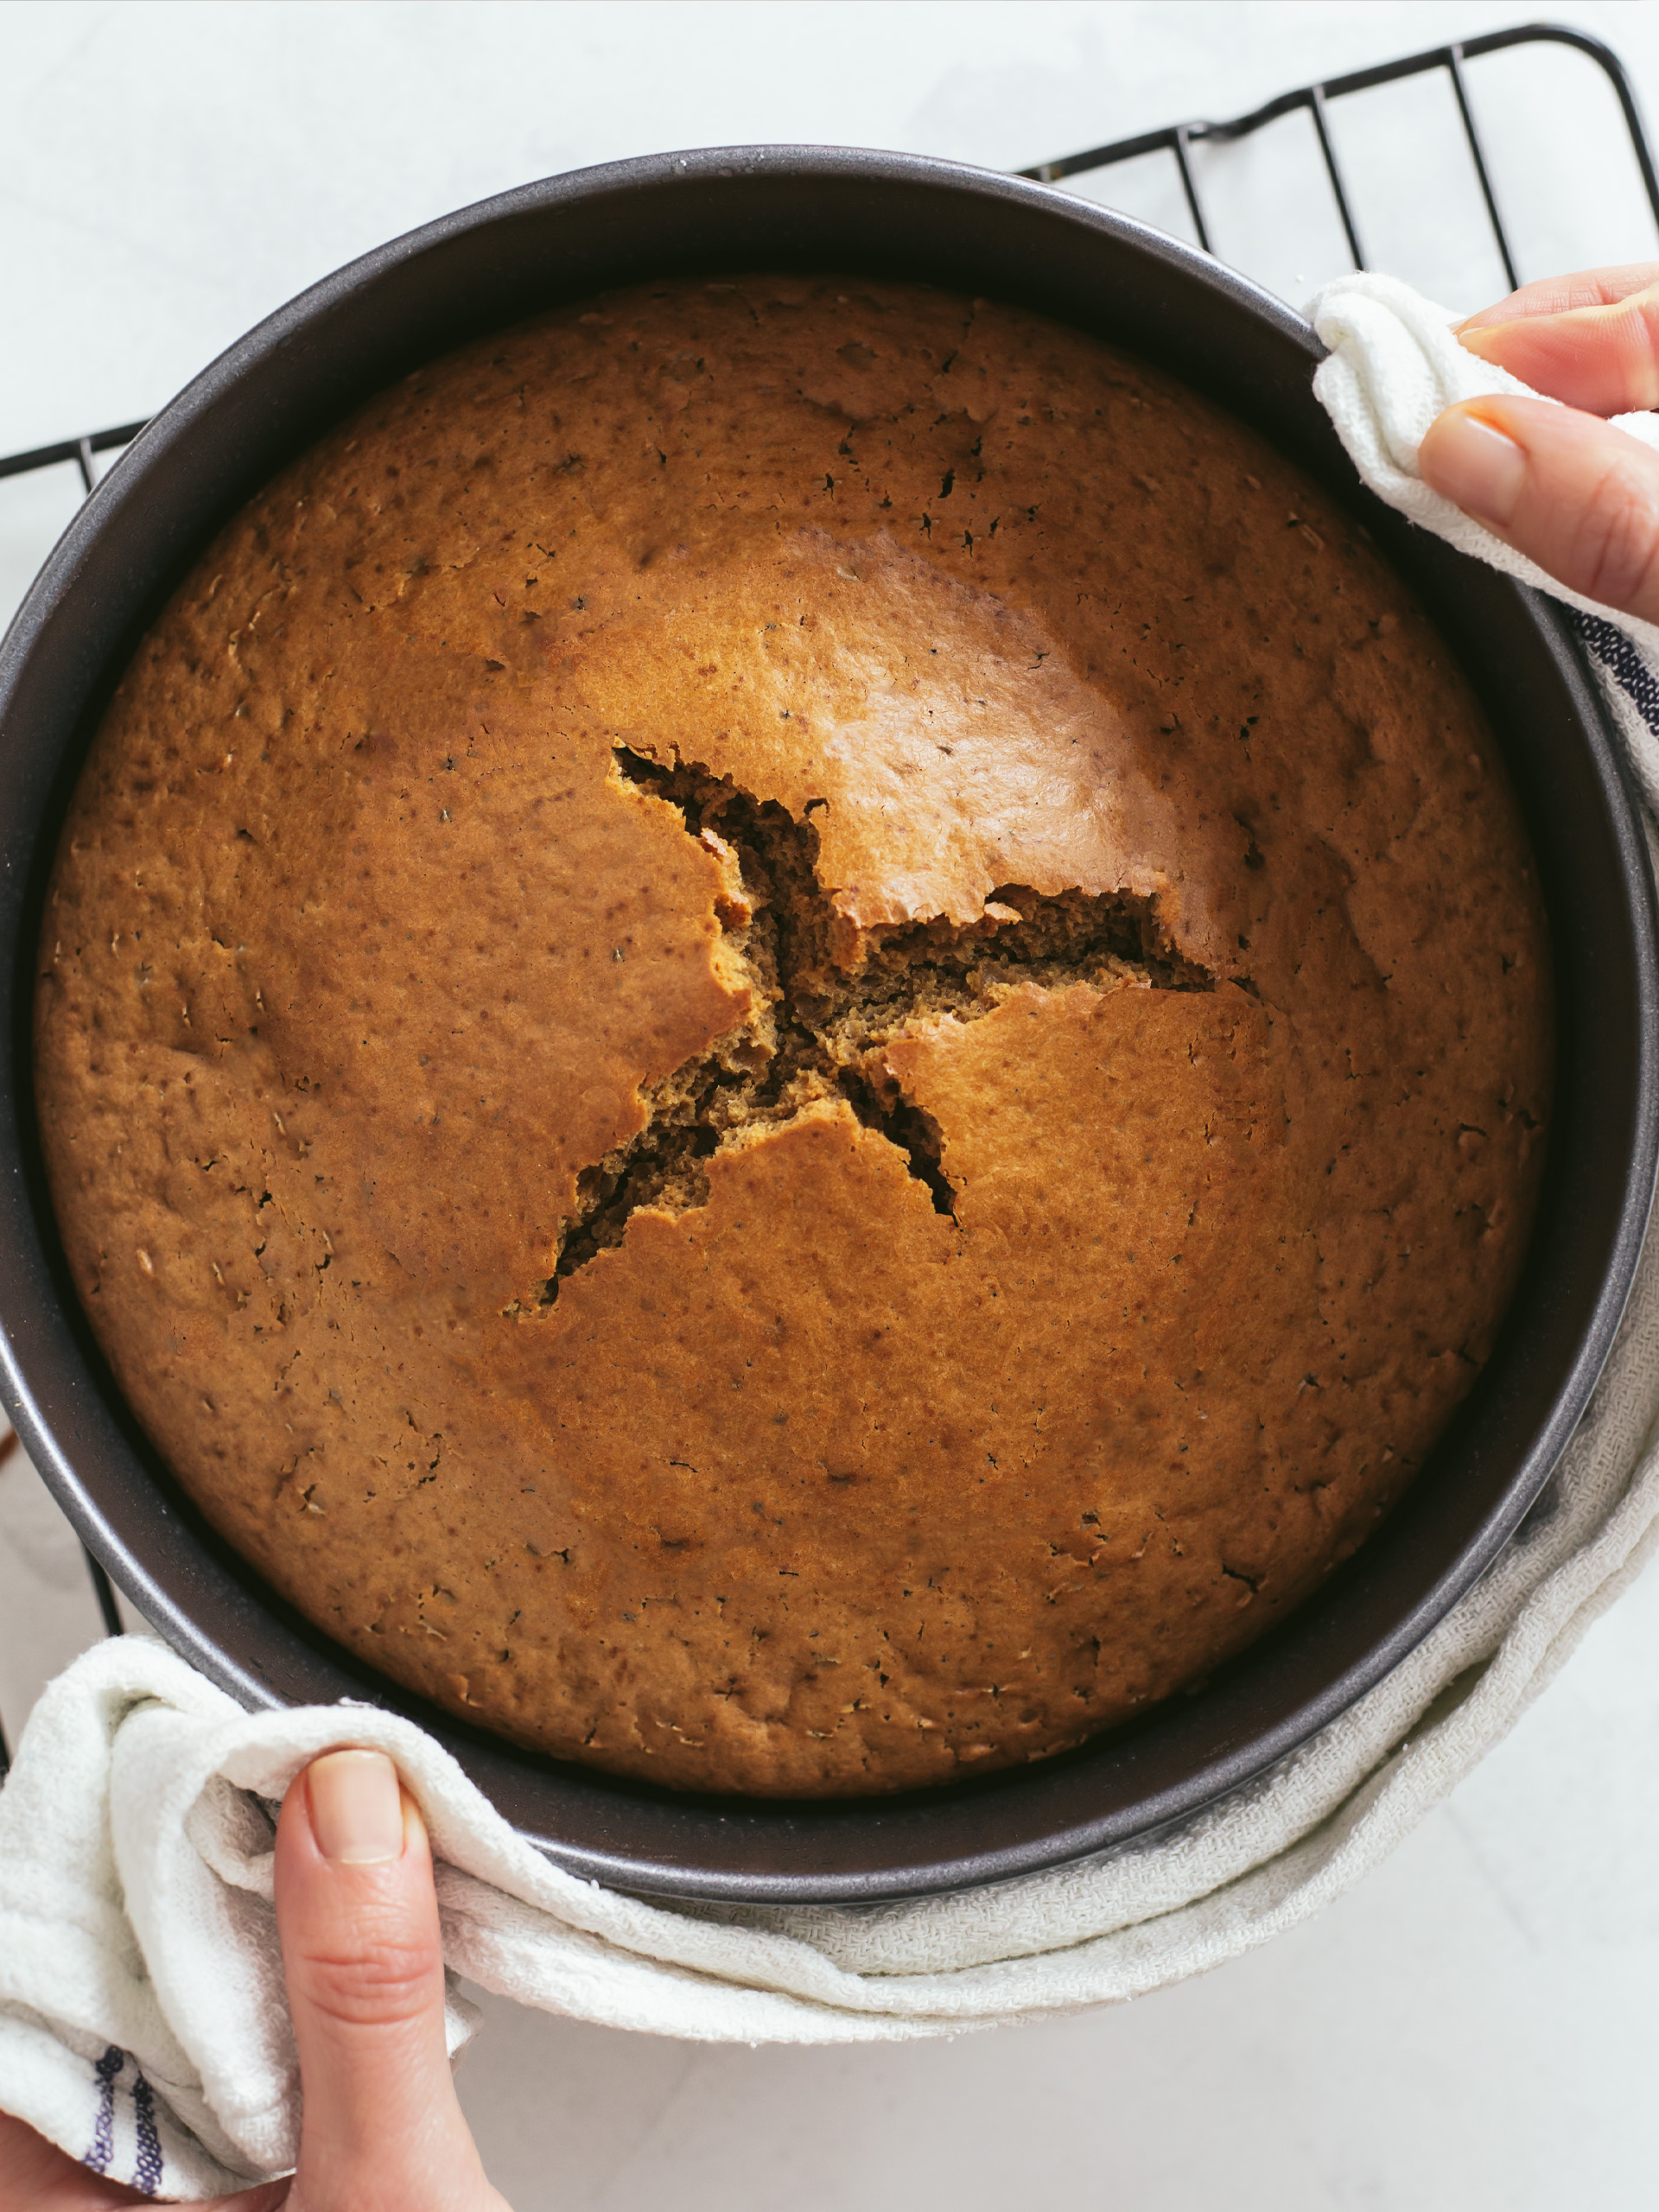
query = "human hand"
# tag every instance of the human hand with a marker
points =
(1559, 483)
(381, 2129)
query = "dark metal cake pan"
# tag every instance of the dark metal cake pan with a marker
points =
(897, 216)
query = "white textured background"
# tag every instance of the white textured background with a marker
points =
(1473, 2031)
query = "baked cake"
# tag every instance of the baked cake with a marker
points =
(794, 1035)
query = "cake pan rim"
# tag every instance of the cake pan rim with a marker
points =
(63, 575)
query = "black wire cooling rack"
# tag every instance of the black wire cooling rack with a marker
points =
(1176, 139)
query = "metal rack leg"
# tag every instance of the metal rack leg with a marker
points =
(7, 1446)
(103, 1591)
(1454, 66)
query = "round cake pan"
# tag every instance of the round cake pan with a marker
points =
(798, 210)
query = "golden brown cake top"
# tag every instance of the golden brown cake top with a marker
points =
(795, 1035)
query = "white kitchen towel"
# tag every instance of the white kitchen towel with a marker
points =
(141, 2025)
(1395, 363)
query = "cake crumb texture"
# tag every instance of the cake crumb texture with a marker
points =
(794, 1035)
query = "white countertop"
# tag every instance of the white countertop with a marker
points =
(1473, 2030)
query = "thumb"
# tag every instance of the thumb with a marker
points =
(359, 1921)
(1578, 496)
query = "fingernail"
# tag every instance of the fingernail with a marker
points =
(1484, 339)
(1474, 465)
(357, 1808)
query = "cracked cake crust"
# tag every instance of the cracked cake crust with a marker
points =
(824, 996)
(793, 1036)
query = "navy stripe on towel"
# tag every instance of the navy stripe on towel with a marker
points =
(1621, 659)
(102, 2144)
(146, 2170)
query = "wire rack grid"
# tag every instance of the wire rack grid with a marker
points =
(1177, 139)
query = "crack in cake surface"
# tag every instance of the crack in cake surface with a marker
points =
(826, 995)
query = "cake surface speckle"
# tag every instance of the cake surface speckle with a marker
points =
(794, 1035)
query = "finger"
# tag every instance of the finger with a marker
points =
(1584, 288)
(36, 2176)
(1604, 359)
(1579, 497)
(359, 1921)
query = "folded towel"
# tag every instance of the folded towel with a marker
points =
(1393, 365)
(142, 2019)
